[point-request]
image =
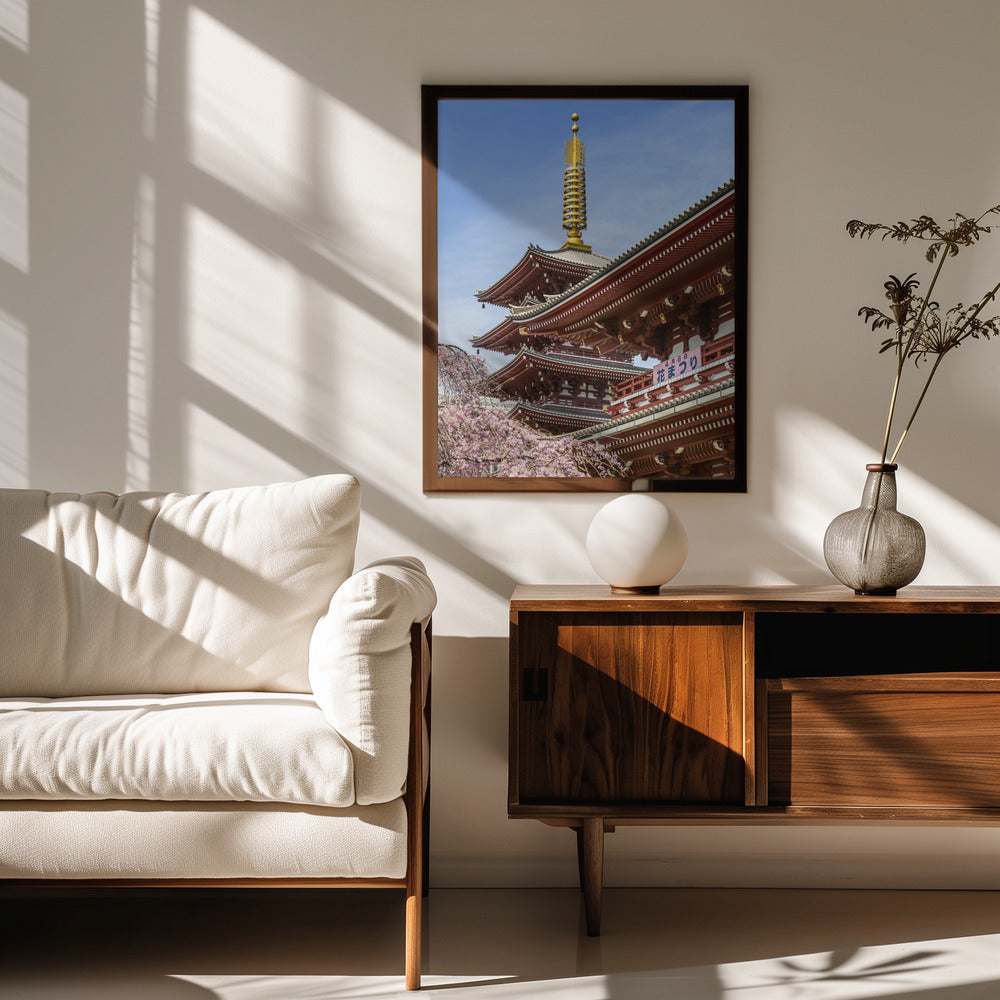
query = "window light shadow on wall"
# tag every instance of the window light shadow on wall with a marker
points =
(244, 315)
(272, 326)
(819, 472)
(14, 23)
(268, 261)
(14, 177)
(13, 244)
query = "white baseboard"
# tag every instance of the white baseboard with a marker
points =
(960, 871)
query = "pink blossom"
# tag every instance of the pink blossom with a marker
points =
(478, 439)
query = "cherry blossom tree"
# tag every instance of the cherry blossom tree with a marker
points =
(477, 438)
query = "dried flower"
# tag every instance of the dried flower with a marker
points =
(900, 294)
(918, 329)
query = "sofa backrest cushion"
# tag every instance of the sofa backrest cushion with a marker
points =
(165, 593)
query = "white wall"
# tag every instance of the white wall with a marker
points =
(210, 276)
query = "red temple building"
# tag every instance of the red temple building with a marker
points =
(576, 320)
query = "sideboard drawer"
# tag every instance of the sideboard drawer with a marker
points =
(914, 740)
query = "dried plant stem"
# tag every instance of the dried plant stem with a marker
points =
(902, 353)
(923, 393)
(871, 520)
(892, 400)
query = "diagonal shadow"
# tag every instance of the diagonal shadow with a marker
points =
(941, 769)
(13, 291)
(603, 721)
(87, 601)
(14, 63)
(176, 384)
(284, 237)
(167, 539)
(77, 600)
(313, 460)
(51, 985)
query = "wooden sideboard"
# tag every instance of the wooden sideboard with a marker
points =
(754, 705)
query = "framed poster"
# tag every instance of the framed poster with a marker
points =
(585, 290)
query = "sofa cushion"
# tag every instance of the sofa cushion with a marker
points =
(223, 747)
(199, 840)
(165, 593)
(359, 667)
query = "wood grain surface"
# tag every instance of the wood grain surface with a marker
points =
(901, 740)
(832, 598)
(823, 705)
(621, 707)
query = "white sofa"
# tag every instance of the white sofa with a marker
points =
(201, 690)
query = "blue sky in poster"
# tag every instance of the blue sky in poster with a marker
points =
(501, 174)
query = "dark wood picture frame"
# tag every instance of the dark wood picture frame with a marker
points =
(611, 371)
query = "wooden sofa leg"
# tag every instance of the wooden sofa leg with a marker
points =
(416, 804)
(414, 905)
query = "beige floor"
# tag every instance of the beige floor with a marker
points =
(660, 944)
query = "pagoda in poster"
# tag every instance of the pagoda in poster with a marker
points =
(576, 320)
(558, 385)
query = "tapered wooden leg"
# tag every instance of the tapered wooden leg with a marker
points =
(416, 811)
(414, 902)
(426, 831)
(592, 868)
(414, 906)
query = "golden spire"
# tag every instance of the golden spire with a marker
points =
(575, 191)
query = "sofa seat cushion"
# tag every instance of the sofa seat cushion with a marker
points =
(221, 747)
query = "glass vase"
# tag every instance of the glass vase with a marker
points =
(874, 549)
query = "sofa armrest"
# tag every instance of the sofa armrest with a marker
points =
(360, 669)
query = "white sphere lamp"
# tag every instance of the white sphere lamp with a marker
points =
(636, 543)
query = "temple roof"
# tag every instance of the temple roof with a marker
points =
(672, 439)
(636, 250)
(684, 251)
(556, 361)
(557, 418)
(531, 276)
(662, 414)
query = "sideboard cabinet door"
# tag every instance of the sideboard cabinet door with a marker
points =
(616, 708)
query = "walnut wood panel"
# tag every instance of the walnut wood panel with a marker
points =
(831, 598)
(939, 682)
(754, 789)
(726, 815)
(902, 740)
(614, 708)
